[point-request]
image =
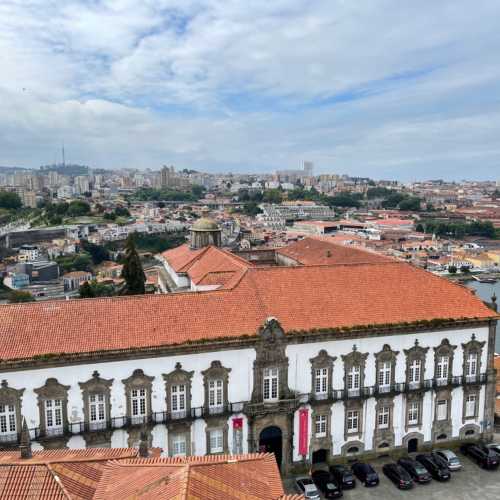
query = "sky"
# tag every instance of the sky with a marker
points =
(390, 89)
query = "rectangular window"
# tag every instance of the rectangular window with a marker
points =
(7, 419)
(354, 378)
(352, 421)
(179, 445)
(414, 375)
(470, 405)
(215, 396)
(320, 425)
(384, 375)
(471, 365)
(442, 409)
(138, 403)
(413, 412)
(270, 384)
(53, 416)
(97, 411)
(442, 368)
(178, 400)
(216, 438)
(321, 381)
(383, 417)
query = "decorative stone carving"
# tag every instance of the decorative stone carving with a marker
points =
(138, 380)
(176, 428)
(414, 397)
(416, 353)
(52, 389)
(178, 377)
(380, 434)
(353, 405)
(386, 355)
(322, 360)
(355, 358)
(216, 372)
(218, 423)
(444, 349)
(323, 442)
(12, 397)
(96, 385)
(442, 427)
(270, 350)
(472, 347)
(468, 391)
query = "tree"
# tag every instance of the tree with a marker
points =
(132, 271)
(86, 291)
(18, 296)
(78, 208)
(122, 212)
(464, 269)
(93, 289)
(411, 203)
(419, 228)
(452, 269)
(10, 200)
(97, 252)
(393, 200)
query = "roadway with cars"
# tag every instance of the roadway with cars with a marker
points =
(471, 481)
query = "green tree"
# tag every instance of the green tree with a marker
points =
(10, 200)
(17, 296)
(132, 271)
(122, 212)
(419, 228)
(393, 200)
(272, 196)
(464, 269)
(411, 203)
(86, 291)
(452, 269)
(93, 289)
(78, 208)
(97, 252)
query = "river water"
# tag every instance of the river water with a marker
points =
(485, 291)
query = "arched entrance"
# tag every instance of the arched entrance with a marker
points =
(271, 441)
(319, 456)
(412, 445)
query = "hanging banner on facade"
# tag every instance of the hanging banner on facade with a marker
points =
(237, 423)
(237, 436)
(303, 431)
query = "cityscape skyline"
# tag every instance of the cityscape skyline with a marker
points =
(373, 90)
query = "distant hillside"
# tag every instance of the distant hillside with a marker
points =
(70, 169)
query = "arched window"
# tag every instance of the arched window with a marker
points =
(469, 432)
(383, 445)
(441, 437)
(352, 450)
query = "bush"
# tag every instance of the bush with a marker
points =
(17, 296)
(10, 200)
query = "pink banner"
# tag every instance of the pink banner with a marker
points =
(303, 431)
(237, 423)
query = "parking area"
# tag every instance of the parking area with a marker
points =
(470, 482)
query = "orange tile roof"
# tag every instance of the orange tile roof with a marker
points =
(301, 298)
(323, 251)
(181, 256)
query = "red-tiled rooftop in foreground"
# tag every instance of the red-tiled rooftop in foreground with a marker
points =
(301, 298)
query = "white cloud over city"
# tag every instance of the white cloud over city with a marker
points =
(380, 88)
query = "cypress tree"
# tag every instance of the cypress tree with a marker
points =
(132, 271)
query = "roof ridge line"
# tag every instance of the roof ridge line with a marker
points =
(58, 481)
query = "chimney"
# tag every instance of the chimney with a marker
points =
(143, 445)
(25, 443)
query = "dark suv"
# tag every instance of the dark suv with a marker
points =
(398, 476)
(343, 475)
(365, 473)
(416, 470)
(435, 469)
(484, 456)
(327, 484)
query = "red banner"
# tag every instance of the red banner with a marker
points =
(303, 431)
(237, 423)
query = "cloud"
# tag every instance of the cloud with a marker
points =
(378, 88)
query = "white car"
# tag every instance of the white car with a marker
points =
(306, 486)
(494, 447)
(450, 458)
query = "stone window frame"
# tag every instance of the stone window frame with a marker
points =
(270, 353)
(216, 371)
(96, 385)
(138, 380)
(179, 428)
(416, 397)
(416, 352)
(443, 394)
(473, 346)
(52, 389)
(214, 424)
(176, 377)
(352, 359)
(322, 360)
(383, 356)
(353, 405)
(384, 434)
(12, 397)
(321, 442)
(444, 349)
(466, 392)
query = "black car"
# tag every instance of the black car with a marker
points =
(416, 470)
(484, 456)
(326, 484)
(436, 470)
(398, 476)
(344, 476)
(365, 473)
(441, 461)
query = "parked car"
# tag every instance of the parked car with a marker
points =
(494, 447)
(398, 476)
(449, 459)
(327, 484)
(484, 456)
(435, 469)
(306, 486)
(365, 473)
(416, 470)
(344, 476)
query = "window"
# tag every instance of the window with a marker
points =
(354, 378)
(470, 405)
(215, 395)
(216, 440)
(471, 365)
(321, 382)
(179, 445)
(384, 375)
(414, 373)
(442, 409)
(7, 420)
(352, 421)
(178, 400)
(442, 368)
(413, 412)
(53, 416)
(383, 417)
(271, 384)
(320, 425)
(138, 401)
(97, 411)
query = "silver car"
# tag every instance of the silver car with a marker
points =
(494, 447)
(306, 486)
(450, 458)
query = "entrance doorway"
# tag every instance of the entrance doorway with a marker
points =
(412, 445)
(319, 456)
(271, 441)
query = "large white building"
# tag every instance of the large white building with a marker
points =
(310, 362)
